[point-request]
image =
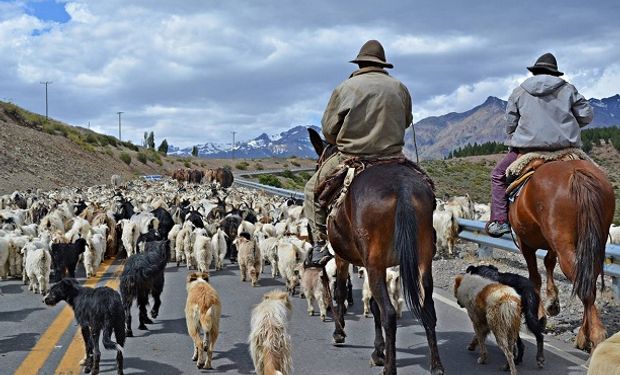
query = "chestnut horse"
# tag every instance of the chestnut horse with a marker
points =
(566, 208)
(385, 220)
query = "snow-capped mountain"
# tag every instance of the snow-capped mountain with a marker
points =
(294, 141)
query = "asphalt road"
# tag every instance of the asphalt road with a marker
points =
(35, 338)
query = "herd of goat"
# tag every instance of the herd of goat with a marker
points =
(44, 235)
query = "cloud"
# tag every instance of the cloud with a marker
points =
(194, 72)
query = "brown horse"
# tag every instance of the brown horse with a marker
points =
(566, 208)
(386, 219)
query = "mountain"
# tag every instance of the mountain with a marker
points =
(293, 142)
(436, 136)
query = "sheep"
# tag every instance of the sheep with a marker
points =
(38, 267)
(218, 248)
(446, 229)
(202, 250)
(250, 260)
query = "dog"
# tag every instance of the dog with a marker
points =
(202, 313)
(95, 310)
(491, 307)
(530, 302)
(270, 343)
(606, 357)
(143, 275)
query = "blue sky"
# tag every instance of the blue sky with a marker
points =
(192, 71)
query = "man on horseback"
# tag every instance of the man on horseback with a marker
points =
(543, 113)
(367, 115)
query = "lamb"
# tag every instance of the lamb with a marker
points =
(38, 267)
(96, 310)
(250, 260)
(218, 248)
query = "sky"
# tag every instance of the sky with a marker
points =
(194, 71)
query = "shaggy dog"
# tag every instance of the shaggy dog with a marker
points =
(491, 307)
(65, 257)
(144, 274)
(530, 302)
(95, 310)
(606, 357)
(270, 343)
(202, 313)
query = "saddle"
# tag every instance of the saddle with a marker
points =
(331, 193)
(520, 171)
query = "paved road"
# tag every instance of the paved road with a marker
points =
(34, 336)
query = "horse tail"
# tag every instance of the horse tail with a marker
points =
(590, 248)
(406, 246)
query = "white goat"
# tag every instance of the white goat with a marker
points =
(202, 250)
(218, 248)
(38, 267)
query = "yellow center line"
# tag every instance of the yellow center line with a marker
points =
(35, 360)
(70, 363)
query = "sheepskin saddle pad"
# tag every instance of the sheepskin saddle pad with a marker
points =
(520, 171)
(331, 193)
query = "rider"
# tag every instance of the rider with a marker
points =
(543, 113)
(367, 115)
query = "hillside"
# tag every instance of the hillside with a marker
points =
(35, 154)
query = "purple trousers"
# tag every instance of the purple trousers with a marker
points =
(499, 203)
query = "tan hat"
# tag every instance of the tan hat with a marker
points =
(372, 51)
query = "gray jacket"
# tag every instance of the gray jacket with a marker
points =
(545, 112)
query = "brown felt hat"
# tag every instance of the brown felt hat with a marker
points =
(372, 51)
(546, 64)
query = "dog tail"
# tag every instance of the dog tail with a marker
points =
(115, 326)
(509, 311)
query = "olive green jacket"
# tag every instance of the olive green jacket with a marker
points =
(368, 113)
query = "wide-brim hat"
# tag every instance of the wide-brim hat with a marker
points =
(546, 64)
(372, 51)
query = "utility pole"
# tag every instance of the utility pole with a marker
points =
(46, 83)
(119, 125)
(233, 146)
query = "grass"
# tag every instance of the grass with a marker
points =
(125, 157)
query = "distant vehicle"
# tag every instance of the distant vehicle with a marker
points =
(153, 177)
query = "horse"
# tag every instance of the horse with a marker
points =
(566, 208)
(386, 219)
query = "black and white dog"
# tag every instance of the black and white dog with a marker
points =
(95, 310)
(530, 302)
(143, 275)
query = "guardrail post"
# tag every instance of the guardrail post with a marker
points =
(615, 286)
(485, 252)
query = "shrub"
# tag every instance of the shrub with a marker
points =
(92, 139)
(305, 176)
(141, 157)
(187, 164)
(130, 146)
(125, 157)
(295, 163)
(288, 174)
(269, 179)
(154, 157)
(259, 167)
(242, 165)
(109, 152)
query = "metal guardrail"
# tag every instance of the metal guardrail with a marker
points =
(473, 231)
(272, 171)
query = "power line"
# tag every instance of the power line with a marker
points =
(119, 125)
(46, 83)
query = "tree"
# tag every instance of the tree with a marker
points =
(150, 141)
(145, 140)
(163, 147)
(195, 151)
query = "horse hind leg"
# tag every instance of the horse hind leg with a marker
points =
(377, 358)
(340, 293)
(429, 321)
(378, 287)
(552, 300)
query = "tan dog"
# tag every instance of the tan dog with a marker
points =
(270, 343)
(491, 307)
(606, 357)
(202, 312)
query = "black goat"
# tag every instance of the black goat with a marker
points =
(530, 300)
(65, 257)
(165, 221)
(143, 275)
(150, 236)
(196, 218)
(95, 310)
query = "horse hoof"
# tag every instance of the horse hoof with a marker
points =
(437, 371)
(154, 315)
(553, 309)
(505, 367)
(376, 360)
(128, 333)
(540, 362)
(142, 327)
(146, 320)
(338, 339)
